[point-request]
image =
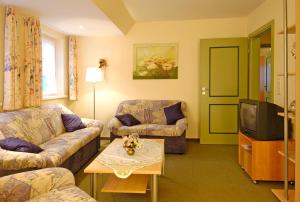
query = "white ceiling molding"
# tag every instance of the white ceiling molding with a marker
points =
(117, 12)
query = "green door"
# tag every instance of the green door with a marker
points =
(224, 80)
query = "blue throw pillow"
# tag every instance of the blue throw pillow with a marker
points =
(173, 113)
(19, 145)
(128, 120)
(72, 122)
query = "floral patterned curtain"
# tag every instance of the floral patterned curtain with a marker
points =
(33, 62)
(12, 71)
(72, 68)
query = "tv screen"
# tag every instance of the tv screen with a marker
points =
(248, 112)
(260, 120)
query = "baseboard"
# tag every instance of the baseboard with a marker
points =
(193, 140)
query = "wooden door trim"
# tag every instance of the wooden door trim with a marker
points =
(256, 34)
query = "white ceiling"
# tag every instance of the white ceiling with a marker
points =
(68, 16)
(158, 10)
(83, 17)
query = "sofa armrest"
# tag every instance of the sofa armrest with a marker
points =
(181, 126)
(93, 123)
(11, 160)
(114, 124)
(27, 185)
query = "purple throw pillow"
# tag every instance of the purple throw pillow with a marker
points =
(173, 113)
(72, 122)
(19, 145)
(128, 120)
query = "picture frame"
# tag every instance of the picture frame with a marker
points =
(155, 61)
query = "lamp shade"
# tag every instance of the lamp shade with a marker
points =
(93, 74)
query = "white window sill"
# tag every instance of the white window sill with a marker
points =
(54, 97)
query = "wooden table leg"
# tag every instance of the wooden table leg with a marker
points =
(154, 188)
(91, 184)
(163, 166)
(94, 185)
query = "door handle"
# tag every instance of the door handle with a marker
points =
(204, 90)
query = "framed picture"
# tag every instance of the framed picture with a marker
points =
(155, 61)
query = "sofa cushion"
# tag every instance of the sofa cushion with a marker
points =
(19, 145)
(11, 160)
(92, 123)
(173, 113)
(128, 120)
(148, 111)
(27, 124)
(26, 185)
(72, 122)
(59, 109)
(60, 148)
(150, 129)
(68, 193)
(50, 184)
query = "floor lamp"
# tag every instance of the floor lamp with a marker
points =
(94, 75)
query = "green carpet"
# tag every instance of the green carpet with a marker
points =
(207, 173)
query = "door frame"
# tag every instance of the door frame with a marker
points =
(254, 35)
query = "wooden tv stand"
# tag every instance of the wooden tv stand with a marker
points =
(261, 160)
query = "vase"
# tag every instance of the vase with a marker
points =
(130, 151)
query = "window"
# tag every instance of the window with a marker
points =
(53, 79)
(49, 67)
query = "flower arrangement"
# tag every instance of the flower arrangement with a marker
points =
(157, 65)
(132, 142)
(159, 62)
(102, 63)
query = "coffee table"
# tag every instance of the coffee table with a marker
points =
(135, 183)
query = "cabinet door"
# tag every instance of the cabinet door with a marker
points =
(267, 163)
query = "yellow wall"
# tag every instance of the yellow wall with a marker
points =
(20, 14)
(269, 10)
(118, 51)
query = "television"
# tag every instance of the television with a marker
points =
(260, 120)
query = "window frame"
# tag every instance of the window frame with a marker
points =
(60, 71)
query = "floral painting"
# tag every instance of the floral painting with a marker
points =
(155, 61)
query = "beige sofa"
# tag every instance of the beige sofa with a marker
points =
(43, 126)
(154, 125)
(49, 184)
